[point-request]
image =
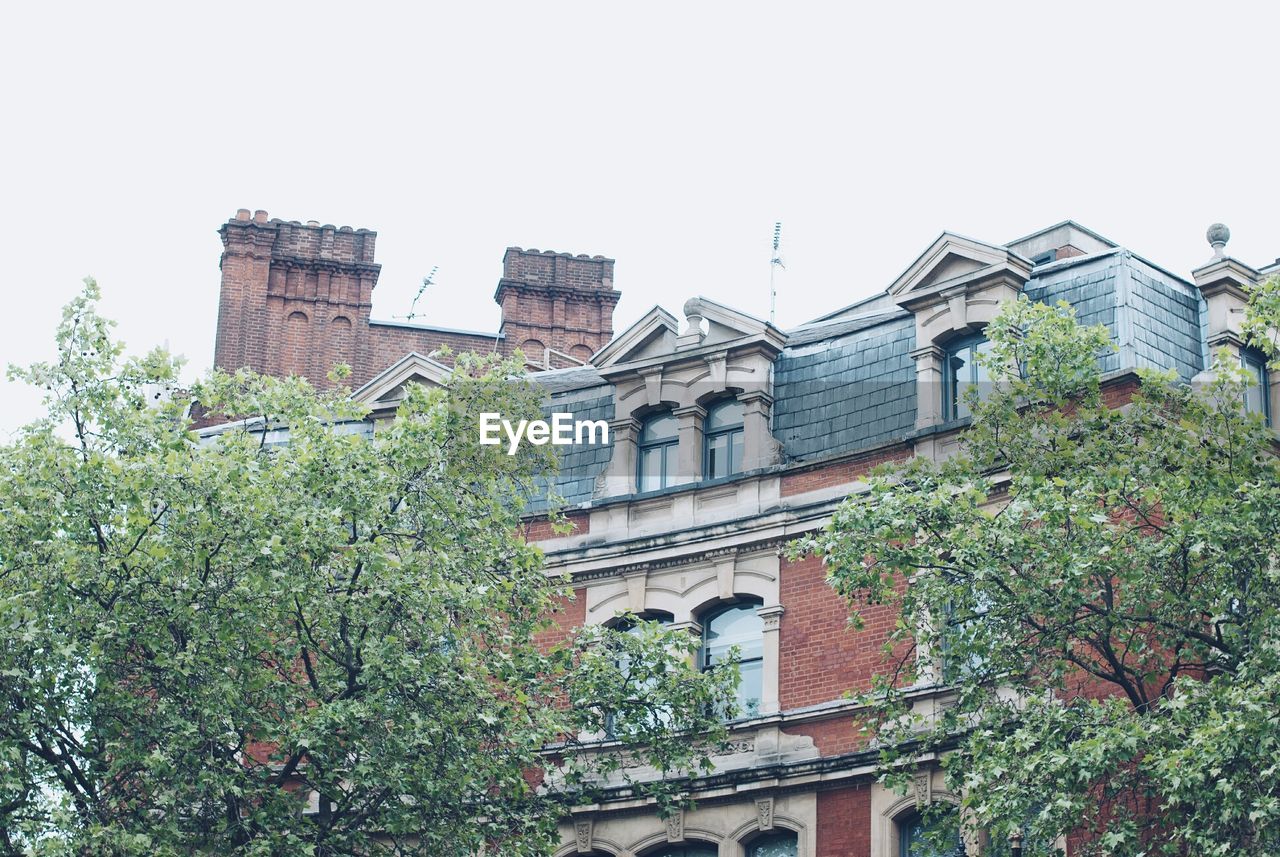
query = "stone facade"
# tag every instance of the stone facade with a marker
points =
(821, 405)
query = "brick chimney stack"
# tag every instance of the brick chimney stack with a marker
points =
(556, 301)
(295, 297)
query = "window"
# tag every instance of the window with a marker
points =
(692, 849)
(741, 626)
(624, 665)
(774, 845)
(960, 371)
(961, 639)
(722, 435)
(919, 837)
(1255, 394)
(1032, 846)
(658, 444)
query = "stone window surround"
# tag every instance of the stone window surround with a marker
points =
(943, 318)
(688, 592)
(1223, 282)
(686, 391)
(728, 828)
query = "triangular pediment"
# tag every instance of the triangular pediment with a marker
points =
(387, 388)
(653, 335)
(953, 259)
(724, 323)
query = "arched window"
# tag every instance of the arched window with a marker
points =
(632, 627)
(960, 371)
(722, 440)
(1255, 391)
(688, 849)
(741, 626)
(932, 837)
(781, 844)
(657, 460)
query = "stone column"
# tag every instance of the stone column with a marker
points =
(620, 475)
(758, 446)
(689, 454)
(929, 360)
(770, 701)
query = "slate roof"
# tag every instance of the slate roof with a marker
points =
(845, 383)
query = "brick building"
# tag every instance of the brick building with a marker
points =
(729, 437)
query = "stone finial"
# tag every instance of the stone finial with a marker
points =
(693, 309)
(1218, 235)
(693, 334)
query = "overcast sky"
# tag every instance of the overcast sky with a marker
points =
(667, 136)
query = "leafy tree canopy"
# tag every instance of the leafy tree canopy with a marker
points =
(1099, 588)
(203, 637)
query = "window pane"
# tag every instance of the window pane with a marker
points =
(659, 427)
(750, 687)
(742, 627)
(918, 839)
(738, 626)
(724, 415)
(735, 452)
(1255, 394)
(717, 456)
(774, 845)
(651, 461)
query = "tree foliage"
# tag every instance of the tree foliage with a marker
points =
(203, 637)
(1098, 588)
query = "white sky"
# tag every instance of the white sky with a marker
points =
(668, 136)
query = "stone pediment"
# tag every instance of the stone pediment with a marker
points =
(652, 336)
(953, 261)
(384, 391)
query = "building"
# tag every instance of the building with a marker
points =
(729, 437)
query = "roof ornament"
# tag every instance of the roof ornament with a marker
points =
(1218, 235)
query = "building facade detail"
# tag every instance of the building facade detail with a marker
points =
(730, 437)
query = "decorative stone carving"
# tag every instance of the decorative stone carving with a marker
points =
(921, 788)
(582, 830)
(675, 826)
(764, 813)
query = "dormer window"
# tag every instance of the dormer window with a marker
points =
(962, 370)
(723, 440)
(1255, 391)
(658, 445)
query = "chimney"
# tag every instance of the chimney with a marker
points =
(556, 304)
(295, 298)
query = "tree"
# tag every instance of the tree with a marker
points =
(1099, 588)
(204, 638)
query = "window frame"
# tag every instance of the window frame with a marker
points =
(745, 710)
(1255, 364)
(951, 385)
(907, 824)
(667, 447)
(627, 626)
(776, 836)
(734, 467)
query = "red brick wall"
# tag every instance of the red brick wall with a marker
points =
(844, 822)
(572, 615)
(833, 737)
(296, 299)
(840, 473)
(821, 656)
(557, 301)
(539, 529)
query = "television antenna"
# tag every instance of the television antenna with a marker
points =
(428, 280)
(774, 264)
